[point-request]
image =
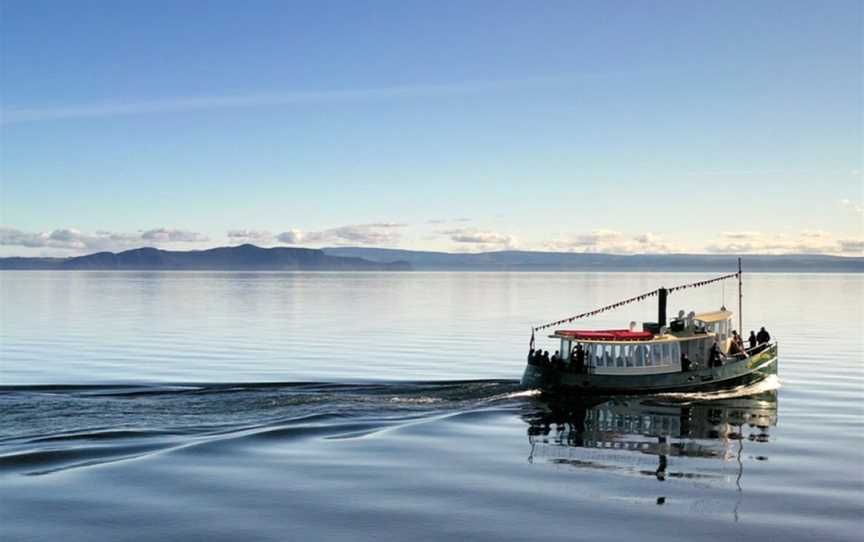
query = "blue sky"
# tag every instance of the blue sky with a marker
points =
(462, 126)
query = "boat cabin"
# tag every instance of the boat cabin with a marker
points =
(630, 352)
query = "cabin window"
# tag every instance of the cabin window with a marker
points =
(646, 354)
(565, 349)
(639, 355)
(656, 355)
(595, 354)
(666, 353)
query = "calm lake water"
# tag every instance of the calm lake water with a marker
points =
(344, 406)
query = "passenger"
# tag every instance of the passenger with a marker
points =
(685, 362)
(738, 342)
(763, 337)
(545, 359)
(734, 346)
(752, 340)
(537, 357)
(714, 356)
(580, 356)
(556, 361)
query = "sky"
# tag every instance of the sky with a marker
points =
(625, 127)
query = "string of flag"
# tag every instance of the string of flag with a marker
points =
(598, 311)
(701, 283)
(641, 297)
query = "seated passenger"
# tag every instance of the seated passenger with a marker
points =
(763, 337)
(752, 339)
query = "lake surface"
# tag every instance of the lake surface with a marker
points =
(344, 406)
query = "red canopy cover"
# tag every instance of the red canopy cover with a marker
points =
(606, 334)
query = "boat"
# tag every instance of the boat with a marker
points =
(693, 352)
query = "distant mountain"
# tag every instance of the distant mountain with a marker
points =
(253, 258)
(516, 260)
(239, 258)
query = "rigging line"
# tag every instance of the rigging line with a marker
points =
(633, 299)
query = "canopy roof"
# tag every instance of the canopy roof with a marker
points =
(716, 316)
(605, 334)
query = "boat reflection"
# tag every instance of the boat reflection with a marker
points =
(620, 433)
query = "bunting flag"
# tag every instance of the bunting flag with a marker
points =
(701, 283)
(642, 297)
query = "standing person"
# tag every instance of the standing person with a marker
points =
(734, 346)
(763, 336)
(714, 355)
(580, 355)
(685, 362)
(557, 362)
(739, 342)
(577, 359)
(752, 339)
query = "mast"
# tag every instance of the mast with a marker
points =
(661, 306)
(740, 296)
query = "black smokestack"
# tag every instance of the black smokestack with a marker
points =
(661, 306)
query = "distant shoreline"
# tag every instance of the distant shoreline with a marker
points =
(254, 258)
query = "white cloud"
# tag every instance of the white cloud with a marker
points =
(14, 237)
(805, 242)
(856, 208)
(376, 234)
(482, 240)
(166, 235)
(596, 237)
(250, 236)
(741, 235)
(611, 242)
(69, 239)
(815, 234)
(291, 237)
(852, 246)
(446, 220)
